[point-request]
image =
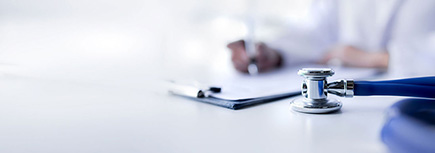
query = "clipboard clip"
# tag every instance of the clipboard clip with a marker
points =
(192, 90)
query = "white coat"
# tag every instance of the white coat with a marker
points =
(404, 28)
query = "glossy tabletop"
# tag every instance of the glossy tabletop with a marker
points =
(92, 82)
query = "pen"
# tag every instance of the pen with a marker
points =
(250, 51)
(250, 42)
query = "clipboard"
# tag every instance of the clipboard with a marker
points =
(206, 95)
(240, 104)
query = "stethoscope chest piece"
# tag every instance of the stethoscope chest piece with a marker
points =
(314, 92)
(305, 105)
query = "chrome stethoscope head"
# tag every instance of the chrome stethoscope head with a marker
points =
(315, 89)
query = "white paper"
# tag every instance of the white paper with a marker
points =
(244, 86)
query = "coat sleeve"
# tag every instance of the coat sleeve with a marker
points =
(412, 43)
(307, 39)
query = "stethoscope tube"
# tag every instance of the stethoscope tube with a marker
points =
(414, 87)
(410, 126)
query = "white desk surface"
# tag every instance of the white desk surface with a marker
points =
(68, 92)
(44, 115)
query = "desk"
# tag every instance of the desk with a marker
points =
(67, 89)
(39, 115)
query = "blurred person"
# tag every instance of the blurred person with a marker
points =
(398, 35)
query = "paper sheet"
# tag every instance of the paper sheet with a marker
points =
(244, 86)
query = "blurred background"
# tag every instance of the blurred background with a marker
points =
(76, 72)
(112, 41)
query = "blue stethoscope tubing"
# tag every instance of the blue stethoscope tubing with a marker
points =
(423, 87)
(410, 126)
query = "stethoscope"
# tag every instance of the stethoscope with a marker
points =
(315, 89)
(410, 124)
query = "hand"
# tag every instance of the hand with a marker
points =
(354, 57)
(266, 58)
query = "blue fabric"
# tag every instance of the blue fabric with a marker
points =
(410, 127)
(414, 87)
